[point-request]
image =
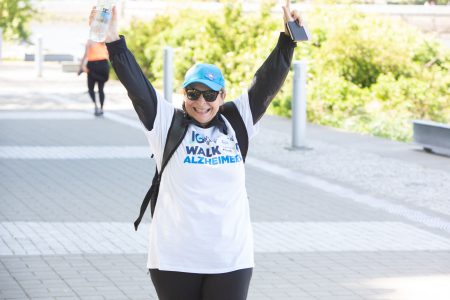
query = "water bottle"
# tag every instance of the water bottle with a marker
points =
(101, 20)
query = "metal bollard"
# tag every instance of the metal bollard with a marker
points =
(38, 56)
(299, 106)
(168, 74)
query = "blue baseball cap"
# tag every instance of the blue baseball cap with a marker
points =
(207, 74)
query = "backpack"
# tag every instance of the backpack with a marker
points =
(175, 136)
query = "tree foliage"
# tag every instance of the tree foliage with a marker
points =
(366, 73)
(14, 18)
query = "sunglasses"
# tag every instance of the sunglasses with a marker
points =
(208, 95)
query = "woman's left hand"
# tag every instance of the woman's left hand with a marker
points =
(290, 16)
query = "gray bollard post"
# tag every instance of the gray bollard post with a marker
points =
(299, 106)
(168, 74)
(38, 56)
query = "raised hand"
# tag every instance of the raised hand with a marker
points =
(111, 33)
(290, 16)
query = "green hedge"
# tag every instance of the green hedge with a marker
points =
(15, 16)
(367, 74)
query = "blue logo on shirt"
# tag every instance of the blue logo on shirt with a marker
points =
(226, 152)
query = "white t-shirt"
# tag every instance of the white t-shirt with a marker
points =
(201, 222)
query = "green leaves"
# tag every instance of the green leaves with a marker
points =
(366, 73)
(14, 18)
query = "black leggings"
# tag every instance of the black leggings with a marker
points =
(98, 73)
(101, 93)
(190, 286)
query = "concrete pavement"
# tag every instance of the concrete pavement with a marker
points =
(355, 217)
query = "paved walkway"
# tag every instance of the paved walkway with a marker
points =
(354, 217)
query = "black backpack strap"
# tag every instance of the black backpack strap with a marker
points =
(177, 131)
(231, 113)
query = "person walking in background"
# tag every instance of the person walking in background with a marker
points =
(201, 240)
(95, 64)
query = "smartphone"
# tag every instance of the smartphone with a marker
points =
(297, 32)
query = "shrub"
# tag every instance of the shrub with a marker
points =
(366, 73)
(14, 18)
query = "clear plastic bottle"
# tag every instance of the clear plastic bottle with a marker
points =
(101, 20)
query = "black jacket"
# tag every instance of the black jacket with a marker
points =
(266, 83)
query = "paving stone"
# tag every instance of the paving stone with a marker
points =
(310, 243)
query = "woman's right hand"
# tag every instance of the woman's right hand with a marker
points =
(111, 33)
